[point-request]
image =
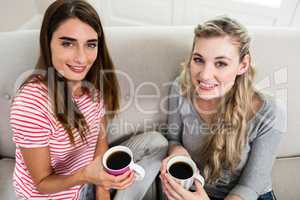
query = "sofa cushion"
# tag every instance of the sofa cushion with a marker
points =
(19, 51)
(6, 172)
(286, 180)
(275, 53)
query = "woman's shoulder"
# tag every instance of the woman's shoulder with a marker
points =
(270, 113)
(34, 85)
(34, 91)
(176, 85)
(265, 105)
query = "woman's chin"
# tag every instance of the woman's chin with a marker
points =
(207, 95)
(75, 77)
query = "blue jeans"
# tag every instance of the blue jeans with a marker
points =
(266, 196)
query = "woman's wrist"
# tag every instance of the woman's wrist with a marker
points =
(102, 194)
(176, 149)
(81, 176)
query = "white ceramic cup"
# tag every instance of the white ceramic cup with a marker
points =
(186, 183)
(139, 170)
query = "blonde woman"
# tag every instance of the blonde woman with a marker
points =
(219, 120)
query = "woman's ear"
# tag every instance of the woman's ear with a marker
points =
(244, 65)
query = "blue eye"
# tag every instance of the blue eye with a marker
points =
(198, 60)
(92, 45)
(221, 64)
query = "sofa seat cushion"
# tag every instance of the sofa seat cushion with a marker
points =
(6, 172)
(286, 178)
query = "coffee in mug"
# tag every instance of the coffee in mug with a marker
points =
(181, 170)
(119, 159)
(184, 170)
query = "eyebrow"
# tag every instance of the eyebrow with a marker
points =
(219, 57)
(197, 54)
(223, 57)
(74, 40)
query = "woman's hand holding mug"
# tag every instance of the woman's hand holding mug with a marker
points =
(180, 174)
(115, 169)
(175, 150)
(96, 174)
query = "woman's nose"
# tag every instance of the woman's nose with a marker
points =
(80, 56)
(207, 72)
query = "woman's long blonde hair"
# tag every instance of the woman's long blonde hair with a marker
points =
(228, 130)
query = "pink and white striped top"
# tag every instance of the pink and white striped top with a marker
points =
(34, 125)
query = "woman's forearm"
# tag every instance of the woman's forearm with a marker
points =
(102, 194)
(102, 146)
(57, 183)
(233, 197)
(177, 149)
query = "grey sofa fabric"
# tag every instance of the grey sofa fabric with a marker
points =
(6, 172)
(286, 178)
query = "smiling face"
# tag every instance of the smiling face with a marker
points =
(215, 65)
(74, 48)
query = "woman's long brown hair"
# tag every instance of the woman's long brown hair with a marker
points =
(101, 76)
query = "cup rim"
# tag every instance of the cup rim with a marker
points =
(184, 159)
(112, 150)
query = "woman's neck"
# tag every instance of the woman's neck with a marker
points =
(75, 87)
(206, 108)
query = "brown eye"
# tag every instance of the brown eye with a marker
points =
(66, 44)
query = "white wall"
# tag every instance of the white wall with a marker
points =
(42, 5)
(191, 12)
(296, 20)
(14, 13)
(22, 14)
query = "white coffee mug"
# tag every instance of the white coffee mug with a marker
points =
(188, 182)
(139, 170)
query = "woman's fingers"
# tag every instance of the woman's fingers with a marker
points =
(163, 167)
(168, 190)
(198, 186)
(176, 186)
(127, 182)
(172, 193)
(182, 192)
(200, 191)
(169, 195)
(110, 181)
(123, 177)
(121, 182)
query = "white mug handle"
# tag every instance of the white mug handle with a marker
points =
(139, 170)
(199, 178)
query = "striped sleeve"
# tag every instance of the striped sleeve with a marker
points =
(29, 117)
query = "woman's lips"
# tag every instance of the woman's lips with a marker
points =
(206, 86)
(77, 69)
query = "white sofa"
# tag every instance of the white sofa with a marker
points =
(148, 58)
